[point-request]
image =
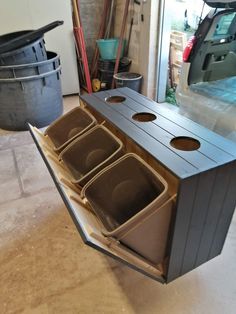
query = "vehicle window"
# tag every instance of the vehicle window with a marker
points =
(223, 26)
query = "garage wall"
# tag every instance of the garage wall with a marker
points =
(134, 51)
(91, 19)
(32, 14)
(144, 41)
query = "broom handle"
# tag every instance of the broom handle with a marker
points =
(100, 35)
(77, 18)
(121, 39)
(80, 38)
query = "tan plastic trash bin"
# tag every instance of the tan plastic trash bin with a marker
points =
(90, 153)
(132, 202)
(71, 125)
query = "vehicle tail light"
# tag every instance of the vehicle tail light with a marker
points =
(190, 44)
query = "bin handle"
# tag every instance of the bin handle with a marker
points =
(30, 65)
(29, 78)
(23, 40)
(144, 219)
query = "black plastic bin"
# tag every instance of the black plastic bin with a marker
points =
(90, 153)
(33, 52)
(35, 99)
(132, 202)
(106, 69)
(109, 65)
(26, 46)
(71, 125)
(29, 69)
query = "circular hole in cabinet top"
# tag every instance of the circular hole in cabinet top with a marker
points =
(185, 143)
(144, 117)
(115, 99)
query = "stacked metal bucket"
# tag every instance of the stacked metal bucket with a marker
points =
(30, 85)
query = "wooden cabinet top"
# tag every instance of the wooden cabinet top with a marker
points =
(179, 144)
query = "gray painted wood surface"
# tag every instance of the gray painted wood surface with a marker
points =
(207, 176)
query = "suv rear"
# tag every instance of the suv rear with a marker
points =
(207, 89)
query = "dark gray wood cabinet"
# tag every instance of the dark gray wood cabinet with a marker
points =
(198, 165)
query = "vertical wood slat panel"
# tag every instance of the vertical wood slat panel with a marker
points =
(225, 216)
(185, 203)
(199, 213)
(213, 215)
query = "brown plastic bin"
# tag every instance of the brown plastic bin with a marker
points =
(71, 125)
(132, 202)
(90, 153)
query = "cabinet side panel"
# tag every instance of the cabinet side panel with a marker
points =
(196, 226)
(216, 203)
(225, 216)
(185, 203)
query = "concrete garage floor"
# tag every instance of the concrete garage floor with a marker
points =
(45, 268)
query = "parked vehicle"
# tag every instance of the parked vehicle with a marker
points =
(207, 89)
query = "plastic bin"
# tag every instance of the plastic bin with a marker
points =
(108, 48)
(24, 70)
(106, 70)
(90, 153)
(33, 52)
(71, 125)
(35, 99)
(132, 202)
(127, 79)
(109, 65)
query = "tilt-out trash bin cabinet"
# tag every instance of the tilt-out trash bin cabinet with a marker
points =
(198, 165)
